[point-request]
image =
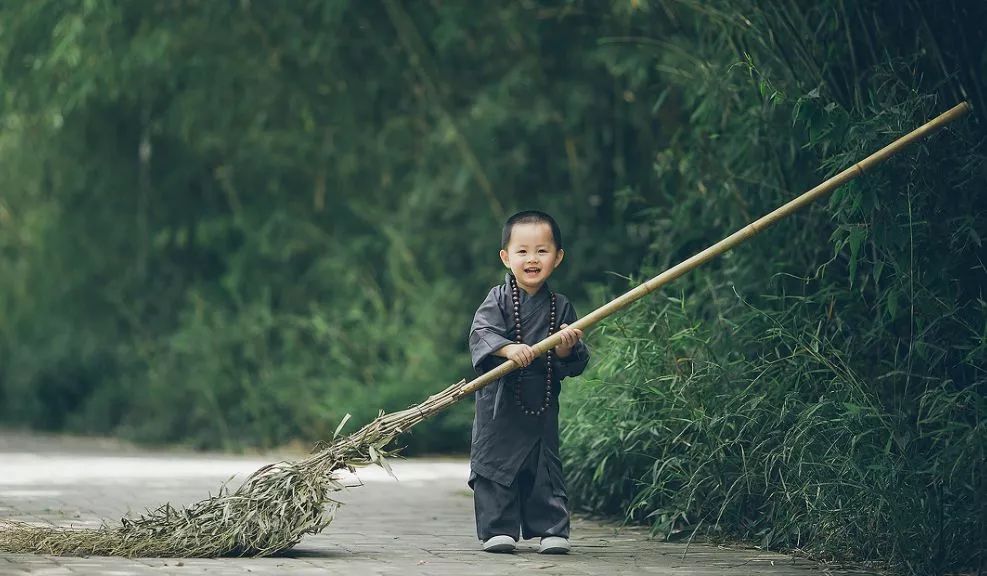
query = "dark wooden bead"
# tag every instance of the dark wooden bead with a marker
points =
(548, 356)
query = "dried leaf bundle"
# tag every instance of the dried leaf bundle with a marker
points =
(271, 511)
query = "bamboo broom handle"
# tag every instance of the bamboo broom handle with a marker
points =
(727, 243)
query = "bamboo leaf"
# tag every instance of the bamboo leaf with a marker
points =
(340, 426)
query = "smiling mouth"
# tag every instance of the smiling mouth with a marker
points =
(532, 270)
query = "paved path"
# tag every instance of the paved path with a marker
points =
(422, 524)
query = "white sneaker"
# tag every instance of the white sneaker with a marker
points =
(554, 545)
(502, 543)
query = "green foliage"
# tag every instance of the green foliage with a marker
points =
(822, 387)
(231, 224)
(765, 431)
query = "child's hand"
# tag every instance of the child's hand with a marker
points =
(570, 336)
(521, 354)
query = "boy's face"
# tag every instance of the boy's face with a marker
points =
(531, 255)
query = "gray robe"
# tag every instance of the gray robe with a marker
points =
(502, 434)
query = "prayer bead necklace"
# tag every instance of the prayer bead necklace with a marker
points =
(515, 297)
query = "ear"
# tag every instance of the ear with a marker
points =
(558, 258)
(505, 259)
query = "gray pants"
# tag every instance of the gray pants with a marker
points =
(530, 502)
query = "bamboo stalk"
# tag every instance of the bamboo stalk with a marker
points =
(728, 243)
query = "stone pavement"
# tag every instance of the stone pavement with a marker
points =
(422, 524)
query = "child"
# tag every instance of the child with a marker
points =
(516, 473)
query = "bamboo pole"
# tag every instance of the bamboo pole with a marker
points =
(728, 243)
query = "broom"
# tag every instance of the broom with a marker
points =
(280, 503)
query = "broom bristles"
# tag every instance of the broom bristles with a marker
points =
(270, 512)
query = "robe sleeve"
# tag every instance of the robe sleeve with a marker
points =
(488, 334)
(576, 361)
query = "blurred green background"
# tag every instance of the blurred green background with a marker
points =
(227, 224)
